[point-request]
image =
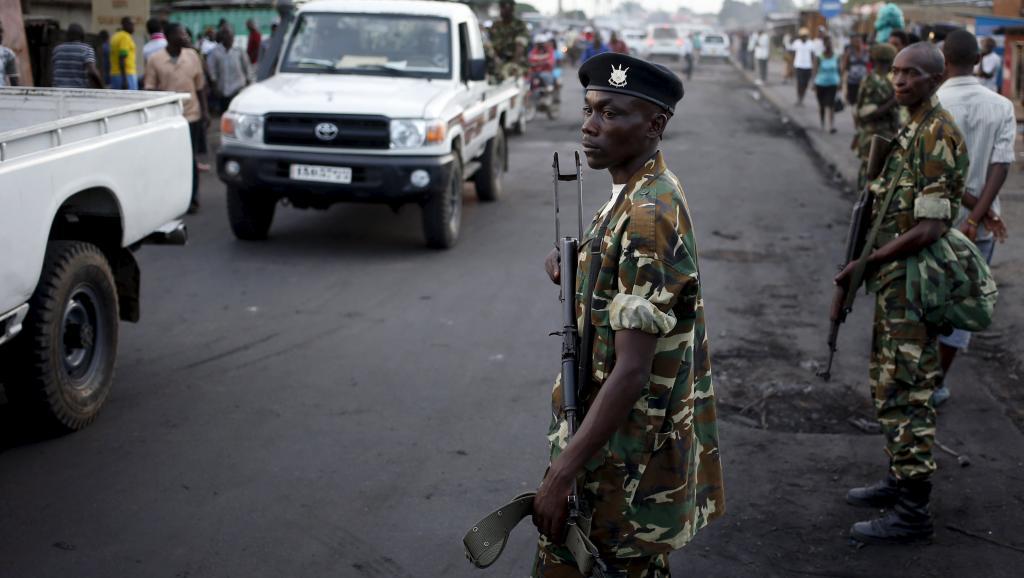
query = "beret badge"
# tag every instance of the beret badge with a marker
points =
(618, 77)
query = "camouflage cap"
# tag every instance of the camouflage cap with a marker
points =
(883, 52)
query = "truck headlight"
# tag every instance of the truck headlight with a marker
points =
(244, 127)
(407, 134)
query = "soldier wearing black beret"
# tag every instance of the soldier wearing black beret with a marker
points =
(645, 457)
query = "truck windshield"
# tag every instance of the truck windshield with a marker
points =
(371, 44)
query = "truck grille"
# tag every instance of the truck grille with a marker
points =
(353, 132)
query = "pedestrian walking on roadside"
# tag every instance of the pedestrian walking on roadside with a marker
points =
(989, 65)
(647, 493)
(597, 46)
(803, 63)
(265, 43)
(123, 68)
(616, 45)
(157, 39)
(787, 47)
(9, 75)
(255, 38)
(178, 68)
(899, 40)
(989, 128)
(876, 111)
(229, 67)
(73, 63)
(827, 74)
(104, 56)
(923, 181)
(751, 47)
(855, 68)
(761, 53)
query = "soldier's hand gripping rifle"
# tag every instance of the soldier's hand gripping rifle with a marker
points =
(486, 540)
(860, 222)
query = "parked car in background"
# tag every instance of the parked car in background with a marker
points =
(663, 40)
(634, 39)
(714, 45)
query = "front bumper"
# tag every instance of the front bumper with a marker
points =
(375, 178)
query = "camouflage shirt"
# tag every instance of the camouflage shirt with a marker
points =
(658, 480)
(929, 171)
(875, 91)
(501, 49)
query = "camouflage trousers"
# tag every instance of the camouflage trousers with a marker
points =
(556, 562)
(904, 372)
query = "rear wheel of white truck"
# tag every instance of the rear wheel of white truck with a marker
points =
(250, 213)
(488, 180)
(63, 361)
(442, 213)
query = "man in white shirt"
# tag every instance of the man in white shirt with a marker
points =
(989, 127)
(761, 53)
(803, 63)
(157, 39)
(989, 65)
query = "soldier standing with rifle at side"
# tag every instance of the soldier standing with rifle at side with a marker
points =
(645, 458)
(876, 111)
(915, 200)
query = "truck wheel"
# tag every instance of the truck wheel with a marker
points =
(250, 213)
(63, 365)
(488, 180)
(442, 214)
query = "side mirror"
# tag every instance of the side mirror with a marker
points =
(477, 69)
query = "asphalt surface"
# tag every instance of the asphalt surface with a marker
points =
(341, 401)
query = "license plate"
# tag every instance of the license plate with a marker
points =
(321, 174)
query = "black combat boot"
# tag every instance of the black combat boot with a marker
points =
(881, 494)
(909, 521)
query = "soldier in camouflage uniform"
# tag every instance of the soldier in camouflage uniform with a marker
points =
(876, 110)
(646, 454)
(927, 168)
(509, 38)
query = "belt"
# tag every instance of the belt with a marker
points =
(486, 540)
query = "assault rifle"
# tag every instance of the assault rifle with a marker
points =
(485, 541)
(860, 222)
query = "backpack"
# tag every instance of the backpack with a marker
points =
(952, 284)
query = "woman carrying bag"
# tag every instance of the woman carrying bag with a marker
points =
(827, 74)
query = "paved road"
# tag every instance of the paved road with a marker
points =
(340, 401)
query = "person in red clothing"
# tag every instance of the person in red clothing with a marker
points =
(617, 45)
(253, 48)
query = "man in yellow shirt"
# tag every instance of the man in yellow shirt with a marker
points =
(123, 74)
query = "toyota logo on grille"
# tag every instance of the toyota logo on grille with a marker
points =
(326, 131)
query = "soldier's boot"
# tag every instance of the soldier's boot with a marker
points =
(909, 521)
(881, 494)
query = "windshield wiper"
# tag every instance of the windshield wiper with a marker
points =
(383, 67)
(317, 62)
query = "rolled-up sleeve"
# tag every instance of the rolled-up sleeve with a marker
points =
(649, 289)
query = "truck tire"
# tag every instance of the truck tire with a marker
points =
(488, 180)
(250, 213)
(442, 213)
(63, 362)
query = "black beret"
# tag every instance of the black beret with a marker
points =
(613, 72)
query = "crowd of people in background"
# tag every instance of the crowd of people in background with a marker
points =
(212, 71)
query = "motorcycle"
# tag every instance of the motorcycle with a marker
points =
(542, 98)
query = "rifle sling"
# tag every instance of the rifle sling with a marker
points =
(587, 335)
(858, 272)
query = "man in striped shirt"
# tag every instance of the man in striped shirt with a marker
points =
(74, 62)
(989, 128)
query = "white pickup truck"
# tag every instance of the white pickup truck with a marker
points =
(86, 176)
(371, 101)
